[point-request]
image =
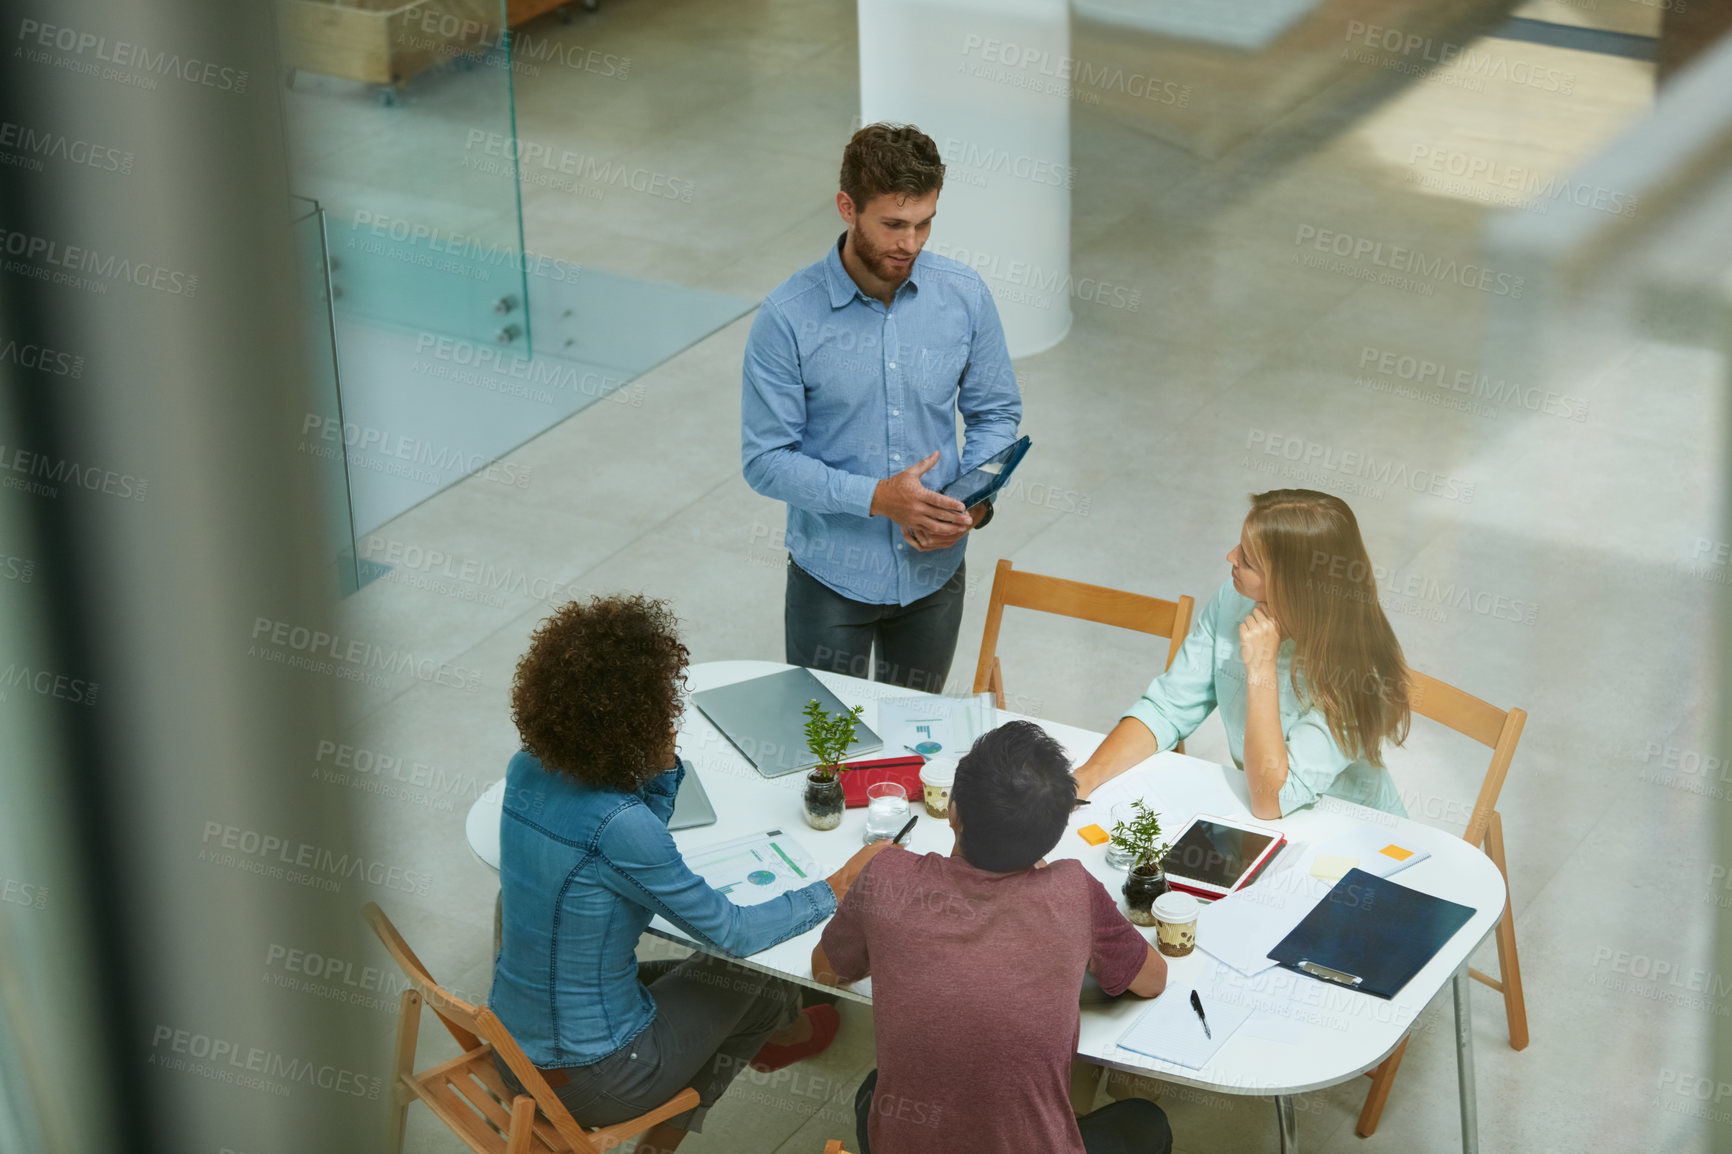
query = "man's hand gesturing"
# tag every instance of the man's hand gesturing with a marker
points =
(916, 508)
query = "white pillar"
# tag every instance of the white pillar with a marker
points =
(988, 80)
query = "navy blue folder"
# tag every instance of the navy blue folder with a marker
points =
(1370, 934)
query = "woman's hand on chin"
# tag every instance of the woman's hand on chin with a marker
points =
(1259, 644)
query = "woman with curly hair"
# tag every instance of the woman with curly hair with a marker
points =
(1296, 653)
(586, 861)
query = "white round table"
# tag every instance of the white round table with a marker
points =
(1308, 1034)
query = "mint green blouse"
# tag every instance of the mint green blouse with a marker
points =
(1209, 674)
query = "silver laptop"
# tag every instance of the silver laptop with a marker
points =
(765, 719)
(692, 806)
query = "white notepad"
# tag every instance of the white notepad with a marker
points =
(1170, 1030)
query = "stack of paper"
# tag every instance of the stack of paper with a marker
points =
(1241, 928)
(1171, 1031)
(1368, 848)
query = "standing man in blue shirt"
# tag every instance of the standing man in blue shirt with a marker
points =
(855, 371)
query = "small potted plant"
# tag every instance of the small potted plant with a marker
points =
(828, 737)
(1145, 881)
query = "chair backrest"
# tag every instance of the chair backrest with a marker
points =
(1497, 729)
(472, 1026)
(1098, 603)
(459, 1016)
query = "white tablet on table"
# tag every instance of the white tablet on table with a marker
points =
(1213, 856)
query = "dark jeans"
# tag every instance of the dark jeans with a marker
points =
(825, 630)
(1131, 1126)
(712, 1016)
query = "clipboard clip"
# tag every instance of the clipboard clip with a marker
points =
(1338, 977)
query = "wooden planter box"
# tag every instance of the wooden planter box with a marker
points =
(383, 41)
(1210, 100)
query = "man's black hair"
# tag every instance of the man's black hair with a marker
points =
(1014, 795)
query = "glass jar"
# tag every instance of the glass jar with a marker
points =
(1141, 890)
(1118, 854)
(822, 800)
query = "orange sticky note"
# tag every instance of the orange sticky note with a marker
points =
(1093, 834)
(1396, 852)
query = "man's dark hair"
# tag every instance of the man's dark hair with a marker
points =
(894, 159)
(1014, 795)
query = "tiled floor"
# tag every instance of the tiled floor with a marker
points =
(1148, 423)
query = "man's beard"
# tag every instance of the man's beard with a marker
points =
(875, 262)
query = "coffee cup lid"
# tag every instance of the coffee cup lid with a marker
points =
(939, 771)
(1173, 906)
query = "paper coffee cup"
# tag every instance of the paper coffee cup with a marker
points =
(936, 778)
(1176, 923)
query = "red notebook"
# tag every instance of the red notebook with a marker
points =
(858, 775)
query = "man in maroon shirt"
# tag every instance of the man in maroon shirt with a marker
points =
(977, 961)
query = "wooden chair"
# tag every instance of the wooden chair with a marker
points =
(1097, 603)
(1024, 590)
(834, 1146)
(467, 1093)
(1499, 730)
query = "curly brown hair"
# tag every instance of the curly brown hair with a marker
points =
(598, 693)
(898, 159)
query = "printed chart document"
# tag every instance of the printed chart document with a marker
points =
(1171, 1031)
(754, 869)
(934, 725)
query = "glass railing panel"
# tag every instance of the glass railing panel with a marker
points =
(400, 125)
(325, 407)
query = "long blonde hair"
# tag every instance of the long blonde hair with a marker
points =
(1323, 594)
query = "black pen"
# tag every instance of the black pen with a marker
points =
(1197, 1005)
(897, 840)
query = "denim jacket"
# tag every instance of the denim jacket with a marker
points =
(581, 872)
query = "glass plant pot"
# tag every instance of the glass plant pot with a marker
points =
(822, 801)
(1142, 887)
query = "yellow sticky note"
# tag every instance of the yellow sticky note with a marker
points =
(1093, 834)
(1330, 868)
(1396, 852)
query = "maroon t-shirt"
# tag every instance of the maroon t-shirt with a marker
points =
(975, 980)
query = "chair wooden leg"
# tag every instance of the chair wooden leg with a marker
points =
(1508, 964)
(408, 1032)
(522, 1125)
(1382, 1079)
(1085, 1083)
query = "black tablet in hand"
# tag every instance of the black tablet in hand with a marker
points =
(989, 476)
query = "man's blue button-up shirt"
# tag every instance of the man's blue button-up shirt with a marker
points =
(840, 392)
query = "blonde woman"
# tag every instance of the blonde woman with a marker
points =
(1296, 653)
